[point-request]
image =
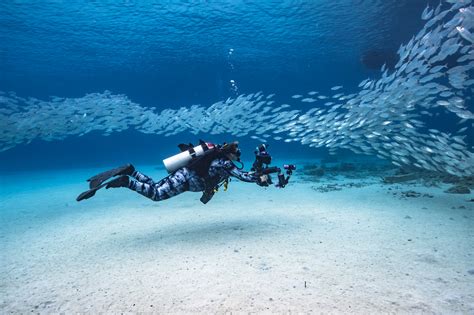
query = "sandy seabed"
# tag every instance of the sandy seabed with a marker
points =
(357, 250)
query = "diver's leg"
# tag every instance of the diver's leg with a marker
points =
(168, 187)
(142, 178)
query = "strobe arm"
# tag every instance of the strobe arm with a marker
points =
(282, 179)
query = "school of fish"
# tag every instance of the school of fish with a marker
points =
(388, 116)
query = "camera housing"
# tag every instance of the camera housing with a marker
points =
(261, 166)
(262, 158)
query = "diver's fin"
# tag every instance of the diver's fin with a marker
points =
(121, 181)
(98, 179)
(90, 193)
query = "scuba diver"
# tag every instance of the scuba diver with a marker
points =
(202, 168)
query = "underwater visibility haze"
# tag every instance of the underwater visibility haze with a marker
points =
(372, 101)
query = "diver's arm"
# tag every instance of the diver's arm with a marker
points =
(241, 175)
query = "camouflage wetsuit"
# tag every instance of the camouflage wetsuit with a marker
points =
(185, 179)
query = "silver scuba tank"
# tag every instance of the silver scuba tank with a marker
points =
(184, 158)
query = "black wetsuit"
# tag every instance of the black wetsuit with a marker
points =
(187, 179)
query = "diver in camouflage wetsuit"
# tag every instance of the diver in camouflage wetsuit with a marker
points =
(204, 177)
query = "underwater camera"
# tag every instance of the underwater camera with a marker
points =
(262, 158)
(263, 170)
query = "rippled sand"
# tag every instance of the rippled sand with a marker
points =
(363, 250)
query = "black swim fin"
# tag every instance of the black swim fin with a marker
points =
(121, 181)
(97, 180)
(90, 193)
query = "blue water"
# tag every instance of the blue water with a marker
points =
(344, 236)
(167, 55)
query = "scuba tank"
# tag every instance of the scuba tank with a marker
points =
(189, 154)
(198, 158)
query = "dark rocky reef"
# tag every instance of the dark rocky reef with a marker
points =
(329, 170)
(458, 189)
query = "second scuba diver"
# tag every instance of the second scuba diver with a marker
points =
(203, 168)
